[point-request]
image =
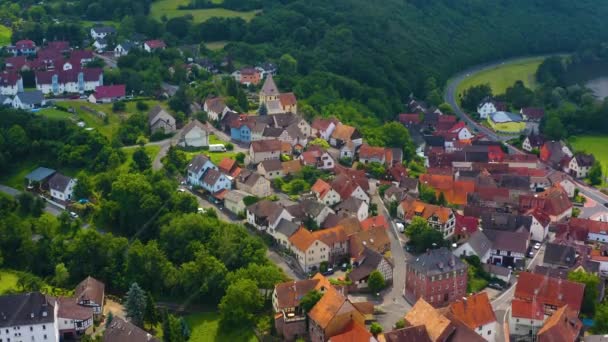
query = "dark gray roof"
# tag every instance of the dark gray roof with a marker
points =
(158, 113)
(496, 270)
(409, 183)
(25, 309)
(39, 174)
(211, 176)
(514, 182)
(249, 178)
(127, 45)
(559, 255)
(272, 132)
(272, 165)
(583, 159)
(508, 241)
(370, 262)
(437, 261)
(104, 29)
(480, 243)
(505, 222)
(120, 330)
(196, 165)
(285, 119)
(59, 182)
(351, 204)
(434, 140)
(560, 273)
(287, 227)
(31, 97)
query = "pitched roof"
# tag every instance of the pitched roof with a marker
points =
(560, 255)
(410, 334)
(17, 309)
(437, 325)
(584, 160)
(371, 261)
(466, 224)
(351, 205)
(496, 270)
(66, 76)
(155, 44)
(425, 210)
(110, 92)
(157, 113)
(265, 208)
(272, 165)
(331, 304)
(480, 243)
(549, 291)
(270, 88)
(408, 119)
(322, 124)
(290, 293)
(474, 311)
(31, 97)
(39, 174)
(375, 221)
(369, 152)
(553, 201)
(344, 185)
(508, 241)
(292, 166)
(59, 182)
(90, 289)
(534, 113)
(321, 187)
(211, 176)
(266, 145)
(376, 239)
(437, 261)
(563, 325)
(197, 163)
(215, 104)
(354, 332)
(286, 227)
(226, 165)
(529, 310)
(235, 195)
(288, 99)
(303, 238)
(192, 125)
(69, 308)
(120, 330)
(343, 132)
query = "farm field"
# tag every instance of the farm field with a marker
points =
(169, 8)
(216, 45)
(504, 76)
(205, 328)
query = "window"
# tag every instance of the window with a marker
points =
(44, 327)
(45, 336)
(489, 332)
(517, 320)
(32, 328)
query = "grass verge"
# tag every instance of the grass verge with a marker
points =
(169, 9)
(205, 328)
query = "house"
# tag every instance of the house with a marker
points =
(394, 194)
(532, 142)
(266, 215)
(253, 183)
(197, 168)
(266, 69)
(323, 128)
(325, 193)
(535, 223)
(506, 122)
(309, 209)
(508, 248)
(344, 134)
(478, 244)
(33, 312)
(332, 315)
(525, 317)
(264, 150)
(347, 151)
(440, 218)
(288, 102)
(247, 76)
(348, 187)
(436, 326)
(369, 154)
(214, 181)
(579, 165)
(559, 256)
(597, 230)
(354, 332)
(375, 221)
(409, 119)
(563, 325)
(290, 319)
(194, 134)
(502, 273)
(215, 108)
(100, 45)
(69, 79)
(437, 276)
(551, 293)
(477, 313)
(317, 158)
(91, 293)
(107, 94)
(123, 49)
(101, 32)
(554, 153)
(489, 106)
(233, 201)
(291, 167)
(154, 45)
(11, 83)
(353, 206)
(312, 248)
(73, 319)
(370, 261)
(375, 238)
(466, 226)
(160, 120)
(553, 202)
(534, 114)
(275, 101)
(29, 100)
(23, 47)
(16, 63)
(120, 330)
(413, 333)
(271, 169)
(61, 187)
(285, 120)
(285, 230)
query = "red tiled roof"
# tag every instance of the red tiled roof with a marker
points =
(368, 152)
(563, 325)
(411, 118)
(529, 310)
(321, 124)
(266, 145)
(288, 99)
(110, 92)
(321, 187)
(16, 62)
(474, 311)
(65, 76)
(549, 291)
(466, 224)
(353, 333)
(25, 44)
(374, 221)
(9, 78)
(156, 44)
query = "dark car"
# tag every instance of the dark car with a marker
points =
(606, 204)
(344, 267)
(329, 271)
(495, 286)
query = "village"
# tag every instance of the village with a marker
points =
(480, 244)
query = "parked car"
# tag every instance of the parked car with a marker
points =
(181, 190)
(495, 286)
(329, 271)
(344, 267)
(537, 245)
(400, 227)
(73, 215)
(606, 204)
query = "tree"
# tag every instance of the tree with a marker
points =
(427, 194)
(135, 305)
(84, 186)
(472, 97)
(319, 142)
(240, 158)
(375, 329)
(595, 173)
(119, 106)
(422, 236)
(400, 324)
(518, 95)
(151, 313)
(172, 329)
(600, 319)
(142, 106)
(263, 110)
(61, 275)
(29, 282)
(141, 161)
(243, 102)
(310, 300)
(441, 199)
(288, 65)
(554, 128)
(241, 304)
(591, 293)
(376, 281)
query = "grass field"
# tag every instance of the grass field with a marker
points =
(56, 114)
(5, 35)
(216, 45)
(169, 8)
(504, 76)
(593, 144)
(15, 178)
(8, 281)
(151, 151)
(205, 328)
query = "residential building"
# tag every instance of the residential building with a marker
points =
(264, 150)
(11, 83)
(214, 181)
(194, 134)
(534, 114)
(489, 106)
(266, 215)
(233, 201)
(318, 158)
(120, 330)
(253, 183)
(440, 218)
(553, 202)
(61, 187)
(69, 79)
(332, 315)
(478, 244)
(197, 168)
(247, 76)
(123, 49)
(160, 120)
(563, 325)
(355, 207)
(309, 210)
(29, 100)
(28, 317)
(559, 256)
(348, 187)
(561, 179)
(532, 142)
(437, 276)
(154, 45)
(23, 47)
(291, 167)
(271, 169)
(312, 248)
(215, 108)
(579, 165)
(477, 313)
(551, 293)
(73, 319)
(284, 231)
(525, 317)
(370, 261)
(369, 154)
(508, 248)
(323, 128)
(343, 134)
(534, 222)
(325, 193)
(502, 273)
(107, 94)
(101, 32)
(354, 332)
(91, 293)
(554, 153)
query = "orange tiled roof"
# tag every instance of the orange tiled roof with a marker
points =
(549, 291)
(563, 325)
(354, 332)
(374, 221)
(291, 166)
(367, 152)
(287, 99)
(474, 311)
(425, 210)
(524, 309)
(437, 325)
(226, 165)
(327, 307)
(455, 192)
(321, 187)
(343, 132)
(303, 238)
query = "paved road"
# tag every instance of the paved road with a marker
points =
(111, 62)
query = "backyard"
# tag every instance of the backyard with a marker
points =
(595, 145)
(169, 9)
(504, 76)
(205, 328)
(5, 35)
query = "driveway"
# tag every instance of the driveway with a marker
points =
(48, 207)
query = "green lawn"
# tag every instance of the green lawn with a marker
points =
(213, 139)
(56, 114)
(169, 8)
(504, 76)
(205, 328)
(216, 45)
(593, 144)
(15, 177)
(5, 35)
(151, 151)
(8, 281)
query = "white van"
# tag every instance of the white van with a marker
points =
(217, 148)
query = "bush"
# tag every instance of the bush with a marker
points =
(142, 106)
(119, 106)
(229, 146)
